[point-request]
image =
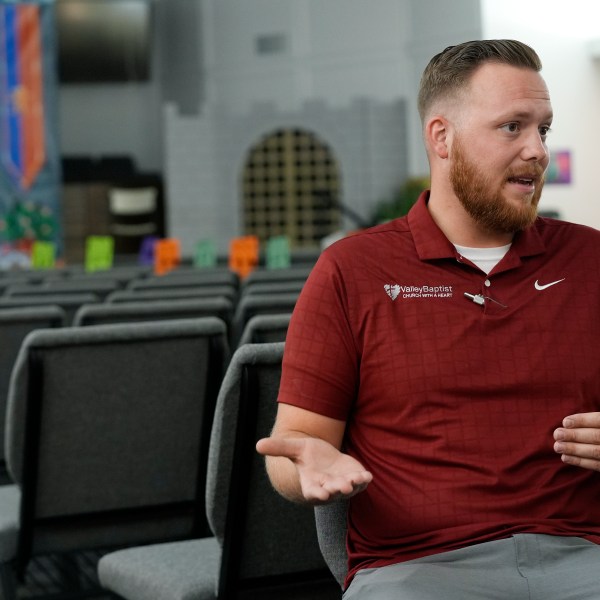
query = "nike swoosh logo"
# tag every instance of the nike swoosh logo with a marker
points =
(540, 287)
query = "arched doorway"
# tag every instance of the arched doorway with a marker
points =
(291, 186)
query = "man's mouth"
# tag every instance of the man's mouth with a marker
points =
(522, 180)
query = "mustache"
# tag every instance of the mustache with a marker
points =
(534, 171)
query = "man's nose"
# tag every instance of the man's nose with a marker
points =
(535, 148)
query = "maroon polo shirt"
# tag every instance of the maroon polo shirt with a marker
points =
(450, 403)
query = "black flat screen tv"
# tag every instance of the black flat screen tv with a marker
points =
(104, 41)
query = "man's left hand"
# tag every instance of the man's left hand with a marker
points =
(578, 440)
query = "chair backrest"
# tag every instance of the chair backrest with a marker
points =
(260, 304)
(261, 329)
(274, 287)
(263, 536)
(68, 302)
(167, 293)
(297, 273)
(123, 273)
(15, 324)
(186, 279)
(93, 285)
(107, 433)
(127, 312)
(332, 526)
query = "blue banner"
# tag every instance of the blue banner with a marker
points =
(30, 177)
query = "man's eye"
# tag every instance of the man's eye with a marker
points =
(544, 130)
(511, 127)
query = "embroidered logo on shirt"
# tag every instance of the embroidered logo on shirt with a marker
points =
(540, 287)
(394, 290)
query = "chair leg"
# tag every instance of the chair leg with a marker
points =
(8, 581)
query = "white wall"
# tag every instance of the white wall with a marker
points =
(434, 25)
(334, 50)
(127, 118)
(332, 56)
(561, 32)
(112, 119)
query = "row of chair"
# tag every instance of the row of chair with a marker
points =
(256, 317)
(141, 436)
(96, 317)
(131, 276)
(262, 544)
(203, 283)
(17, 323)
(216, 292)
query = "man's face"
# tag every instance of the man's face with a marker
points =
(498, 153)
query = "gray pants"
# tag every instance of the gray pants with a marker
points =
(522, 567)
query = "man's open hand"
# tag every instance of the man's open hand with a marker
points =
(325, 474)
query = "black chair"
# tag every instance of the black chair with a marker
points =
(168, 293)
(183, 279)
(250, 305)
(100, 287)
(332, 526)
(264, 546)
(69, 303)
(273, 287)
(297, 273)
(262, 329)
(107, 434)
(122, 273)
(128, 312)
(15, 325)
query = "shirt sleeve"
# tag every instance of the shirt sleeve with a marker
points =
(320, 363)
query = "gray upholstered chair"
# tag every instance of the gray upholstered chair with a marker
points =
(259, 304)
(297, 273)
(68, 302)
(126, 312)
(274, 287)
(332, 526)
(195, 278)
(123, 273)
(175, 293)
(262, 329)
(92, 285)
(107, 433)
(15, 324)
(262, 542)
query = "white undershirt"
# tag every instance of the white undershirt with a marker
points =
(485, 258)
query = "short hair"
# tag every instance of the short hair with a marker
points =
(450, 71)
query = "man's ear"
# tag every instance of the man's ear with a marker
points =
(437, 135)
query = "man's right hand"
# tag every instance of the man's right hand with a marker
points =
(324, 473)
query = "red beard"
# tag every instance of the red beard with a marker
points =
(487, 206)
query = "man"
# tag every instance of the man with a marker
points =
(439, 367)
